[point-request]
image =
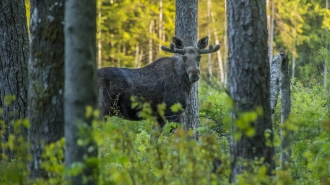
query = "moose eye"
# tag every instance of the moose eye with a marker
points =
(184, 58)
(199, 58)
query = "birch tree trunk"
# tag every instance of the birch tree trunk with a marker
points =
(209, 57)
(249, 83)
(80, 88)
(220, 63)
(150, 40)
(293, 61)
(14, 48)
(186, 29)
(271, 33)
(118, 57)
(140, 59)
(99, 35)
(160, 25)
(225, 50)
(137, 57)
(46, 79)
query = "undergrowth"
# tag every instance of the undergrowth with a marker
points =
(126, 155)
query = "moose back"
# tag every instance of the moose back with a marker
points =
(167, 80)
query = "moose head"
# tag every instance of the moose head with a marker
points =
(191, 55)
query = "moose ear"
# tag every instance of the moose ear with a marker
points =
(203, 43)
(178, 43)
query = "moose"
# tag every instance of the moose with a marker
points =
(167, 80)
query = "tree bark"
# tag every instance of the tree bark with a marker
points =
(220, 63)
(137, 56)
(150, 41)
(285, 91)
(80, 88)
(46, 75)
(225, 49)
(209, 57)
(140, 59)
(99, 32)
(280, 82)
(160, 25)
(186, 29)
(275, 77)
(293, 61)
(249, 82)
(14, 48)
(271, 32)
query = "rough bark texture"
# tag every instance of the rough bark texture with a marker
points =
(186, 29)
(275, 75)
(249, 81)
(285, 155)
(80, 86)
(280, 82)
(46, 79)
(14, 47)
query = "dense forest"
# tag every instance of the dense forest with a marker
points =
(255, 111)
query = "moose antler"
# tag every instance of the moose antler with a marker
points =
(173, 49)
(210, 50)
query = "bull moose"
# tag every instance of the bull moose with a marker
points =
(167, 80)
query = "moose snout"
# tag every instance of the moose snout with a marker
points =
(193, 75)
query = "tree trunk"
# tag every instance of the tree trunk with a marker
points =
(285, 155)
(186, 29)
(271, 33)
(99, 32)
(150, 40)
(118, 57)
(14, 48)
(221, 71)
(268, 19)
(80, 88)
(293, 60)
(275, 77)
(137, 57)
(249, 83)
(209, 57)
(160, 25)
(140, 59)
(225, 50)
(46, 75)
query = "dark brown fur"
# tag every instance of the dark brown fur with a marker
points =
(161, 81)
(167, 80)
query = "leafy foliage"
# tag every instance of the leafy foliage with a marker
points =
(126, 155)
